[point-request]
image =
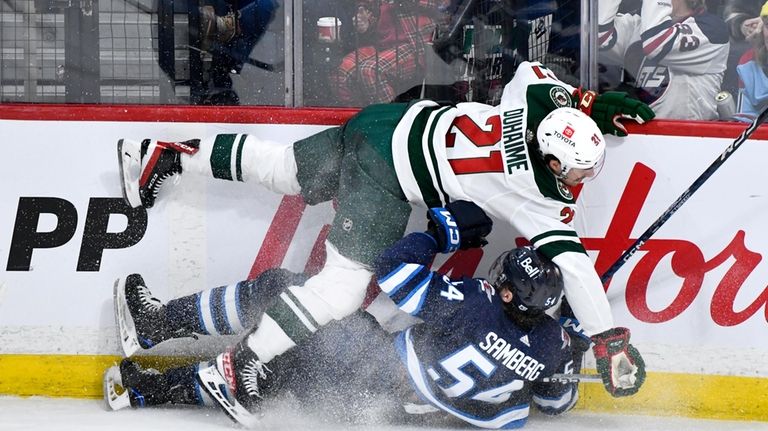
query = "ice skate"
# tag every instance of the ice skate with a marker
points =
(217, 28)
(144, 166)
(130, 385)
(238, 381)
(140, 316)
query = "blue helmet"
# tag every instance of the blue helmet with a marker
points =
(535, 282)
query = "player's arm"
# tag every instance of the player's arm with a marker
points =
(620, 364)
(556, 398)
(403, 270)
(545, 93)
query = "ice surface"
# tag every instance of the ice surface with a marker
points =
(57, 414)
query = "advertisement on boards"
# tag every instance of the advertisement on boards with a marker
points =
(697, 288)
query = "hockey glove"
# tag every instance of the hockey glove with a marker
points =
(610, 107)
(460, 225)
(618, 362)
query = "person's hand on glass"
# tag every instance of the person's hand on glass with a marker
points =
(751, 26)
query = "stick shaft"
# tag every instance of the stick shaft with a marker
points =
(685, 196)
(573, 378)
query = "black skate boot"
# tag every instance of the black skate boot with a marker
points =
(214, 28)
(131, 385)
(144, 166)
(140, 316)
(238, 381)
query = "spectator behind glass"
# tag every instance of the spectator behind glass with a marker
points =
(674, 54)
(742, 17)
(753, 72)
(230, 38)
(389, 57)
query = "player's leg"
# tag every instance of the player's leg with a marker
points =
(369, 218)
(371, 214)
(233, 157)
(144, 320)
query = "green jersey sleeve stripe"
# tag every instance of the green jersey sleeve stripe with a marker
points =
(550, 233)
(418, 163)
(239, 158)
(431, 145)
(555, 248)
(221, 156)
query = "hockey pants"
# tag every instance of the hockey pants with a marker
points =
(334, 293)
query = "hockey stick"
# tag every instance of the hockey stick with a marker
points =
(573, 378)
(684, 197)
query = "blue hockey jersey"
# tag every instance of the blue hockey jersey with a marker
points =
(468, 358)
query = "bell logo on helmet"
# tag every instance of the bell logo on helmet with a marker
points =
(532, 271)
(568, 131)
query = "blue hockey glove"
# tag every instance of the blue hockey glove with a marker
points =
(460, 225)
(618, 362)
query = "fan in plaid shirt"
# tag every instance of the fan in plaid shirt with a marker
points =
(392, 60)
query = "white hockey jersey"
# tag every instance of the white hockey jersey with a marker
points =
(677, 65)
(483, 154)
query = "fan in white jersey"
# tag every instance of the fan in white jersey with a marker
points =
(675, 54)
(515, 160)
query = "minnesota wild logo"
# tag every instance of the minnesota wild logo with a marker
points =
(560, 97)
(564, 190)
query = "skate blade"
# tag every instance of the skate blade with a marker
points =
(129, 159)
(216, 387)
(112, 399)
(125, 324)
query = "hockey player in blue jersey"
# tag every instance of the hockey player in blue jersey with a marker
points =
(485, 345)
(480, 355)
(516, 161)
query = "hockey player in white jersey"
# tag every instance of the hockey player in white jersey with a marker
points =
(515, 160)
(674, 52)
